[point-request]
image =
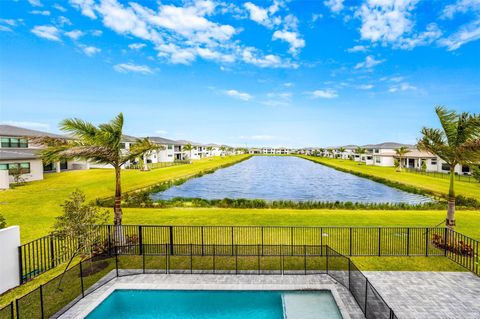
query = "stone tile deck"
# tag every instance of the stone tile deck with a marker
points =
(423, 295)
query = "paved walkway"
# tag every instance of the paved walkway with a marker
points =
(423, 295)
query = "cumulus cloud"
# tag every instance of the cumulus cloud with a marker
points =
(460, 6)
(74, 34)
(137, 46)
(90, 50)
(132, 68)
(238, 95)
(293, 39)
(59, 7)
(369, 62)
(264, 16)
(405, 86)
(35, 3)
(40, 12)
(47, 32)
(334, 5)
(85, 6)
(365, 86)
(324, 94)
(357, 48)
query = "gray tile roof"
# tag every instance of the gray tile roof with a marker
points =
(161, 140)
(15, 131)
(18, 153)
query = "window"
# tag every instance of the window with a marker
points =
(445, 167)
(14, 142)
(170, 147)
(122, 146)
(434, 161)
(23, 167)
(378, 160)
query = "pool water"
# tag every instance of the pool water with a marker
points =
(176, 304)
(287, 178)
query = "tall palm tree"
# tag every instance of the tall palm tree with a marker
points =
(189, 148)
(401, 151)
(99, 144)
(341, 150)
(458, 142)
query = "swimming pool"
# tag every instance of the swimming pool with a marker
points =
(194, 304)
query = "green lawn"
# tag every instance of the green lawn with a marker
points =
(433, 184)
(35, 205)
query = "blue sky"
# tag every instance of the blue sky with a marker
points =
(277, 73)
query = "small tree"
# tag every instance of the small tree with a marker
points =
(17, 175)
(341, 150)
(396, 163)
(3, 223)
(189, 148)
(401, 151)
(80, 222)
(424, 166)
(476, 172)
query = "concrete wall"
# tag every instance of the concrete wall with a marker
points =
(4, 179)
(9, 242)
(36, 169)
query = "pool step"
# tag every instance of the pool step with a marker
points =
(309, 305)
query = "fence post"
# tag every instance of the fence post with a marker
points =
(41, 300)
(20, 265)
(116, 260)
(408, 241)
(232, 238)
(81, 279)
(140, 240)
(281, 257)
(350, 241)
(379, 241)
(258, 258)
(366, 295)
(191, 258)
(321, 238)
(171, 239)
(11, 310)
(326, 250)
(52, 253)
(143, 262)
(426, 242)
(305, 258)
(109, 240)
(202, 242)
(236, 259)
(17, 309)
(349, 275)
(167, 260)
(262, 240)
(446, 240)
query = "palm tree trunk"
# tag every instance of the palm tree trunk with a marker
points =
(450, 222)
(117, 208)
(145, 164)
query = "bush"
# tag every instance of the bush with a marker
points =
(476, 172)
(3, 223)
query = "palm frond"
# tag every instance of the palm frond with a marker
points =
(470, 152)
(80, 129)
(139, 148)
(449, 120)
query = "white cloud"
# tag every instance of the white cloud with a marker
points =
(90, 50)
(426, 37)
(369, 62)
(40, 12)
(47, 32)
(460, 6)
(35, 3)
(278, 99)
(74, 34)
(467, 33)
(161, 132)
(365, 86)
(130, 67)
(324, 94)
(62, 21)
(5, 29)
(85, 6)
(238, 95)
(27, 124)
(59, 7)
(316, 16)
(357, 48)
(137, 46)
(264, 16)
(334, 5)
(250, 55)
(96, 33)
(402, 87)
(293, 38)
(288, 84)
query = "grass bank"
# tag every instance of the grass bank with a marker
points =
(428, 184)
(35, 205)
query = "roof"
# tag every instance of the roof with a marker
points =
(15, 131)
(19, 154)
(388, 145)
(161, 140)
(129, 138)
(183, 142)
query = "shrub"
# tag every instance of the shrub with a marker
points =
(3, 223)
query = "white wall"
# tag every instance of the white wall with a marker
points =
(4, 179)
(9, 242)
(36, 169)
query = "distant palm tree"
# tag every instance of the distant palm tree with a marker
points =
(341, 150)
(223, 148)
(458, 142)
(401, 151)
(146, 143)
(360, 151)
(330, 151)
(209, 149)
(322, 151)
(99, 144)
(189, 148)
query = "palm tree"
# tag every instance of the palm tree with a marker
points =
(223, 148)
(360, 151)
(401, 151)
(209, 149)
(341, 150)
(189, 148)
(146, 143)
(330, 151)
(321, 150)
(458, 142)
(99, 144)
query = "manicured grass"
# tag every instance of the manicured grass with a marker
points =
(35, 205)
(433, 184)
(468, 222)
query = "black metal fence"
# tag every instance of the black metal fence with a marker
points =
(159, 164)
(458, 177)
(47, 252)
(61, 293)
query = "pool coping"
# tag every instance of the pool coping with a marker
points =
(86, 305)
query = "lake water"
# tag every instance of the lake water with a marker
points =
(287, 178)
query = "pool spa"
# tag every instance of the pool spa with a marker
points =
(217, 304)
